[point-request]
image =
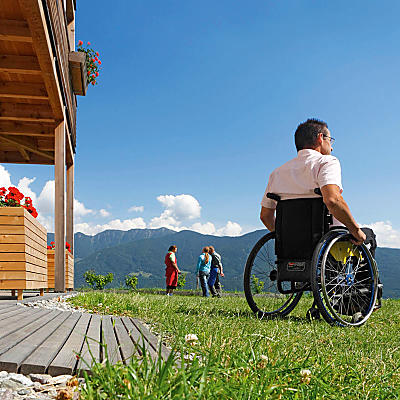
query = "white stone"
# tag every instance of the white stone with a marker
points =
(3, 374)
(21, 379)
(60, 379)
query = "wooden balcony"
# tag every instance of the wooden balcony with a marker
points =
(37, 101)
(36, 94)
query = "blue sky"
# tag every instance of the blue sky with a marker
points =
(202, 99)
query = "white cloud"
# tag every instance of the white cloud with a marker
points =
(386, 235)
(104, 213)
(47, 221)
(136, 209)
(181, 207)
(45, 201)
(24, 187)
(206, 229)
(124, 225)
(80, 209)
(177, 209)
(164, 222)
(5, 178)
(230, 229)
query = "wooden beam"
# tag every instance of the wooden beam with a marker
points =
(26, 112)
(45, 144)
(69, 157)
(33, 12)
(27, 144)
(59, 235)
(19, 64)
(24, 153)
(15, 157)
(25, 129)
(15, 31)
(20, 90)
(70, 206)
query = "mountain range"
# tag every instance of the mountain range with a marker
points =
(142, 251)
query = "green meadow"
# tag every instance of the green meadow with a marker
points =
(238, 356)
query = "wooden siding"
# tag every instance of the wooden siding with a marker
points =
(69, 269)
(23, 254)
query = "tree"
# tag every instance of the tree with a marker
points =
(97, 281)
(181, 280)
(257, 284)
(131, 281)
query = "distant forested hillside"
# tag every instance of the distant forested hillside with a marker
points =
(142, 251)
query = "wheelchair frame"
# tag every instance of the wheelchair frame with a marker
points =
(304, 254)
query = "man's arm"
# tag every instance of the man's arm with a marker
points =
(340, 210)
(267, 217)
(221, 270)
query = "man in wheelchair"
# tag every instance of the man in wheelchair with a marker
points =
(299, 180)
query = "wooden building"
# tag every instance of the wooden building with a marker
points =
(40, 76)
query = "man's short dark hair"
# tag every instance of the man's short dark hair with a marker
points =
(307, 132)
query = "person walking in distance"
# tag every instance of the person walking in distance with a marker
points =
(203, 270)
(216, 270)
(172, 270)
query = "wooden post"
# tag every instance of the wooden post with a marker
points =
(13, 292)
(59, 205)
(70, 206)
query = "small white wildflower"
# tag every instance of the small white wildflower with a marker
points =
(305, 376)
(264, 357)
(191, 338)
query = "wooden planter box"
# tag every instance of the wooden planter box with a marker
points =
(69, 269)
(77, 67)
(23, 251)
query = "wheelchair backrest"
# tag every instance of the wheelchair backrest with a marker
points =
(299, 225)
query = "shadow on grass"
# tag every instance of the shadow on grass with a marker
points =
(240, 314)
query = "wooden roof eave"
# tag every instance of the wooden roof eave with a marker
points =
(35, 16)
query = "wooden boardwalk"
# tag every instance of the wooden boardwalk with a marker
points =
(37, 340)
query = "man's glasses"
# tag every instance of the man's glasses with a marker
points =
(331, 139)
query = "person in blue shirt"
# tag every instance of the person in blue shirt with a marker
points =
(203, 270)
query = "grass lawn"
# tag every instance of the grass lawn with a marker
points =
(240, 357)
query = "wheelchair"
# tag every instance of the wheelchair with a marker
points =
(304, 254)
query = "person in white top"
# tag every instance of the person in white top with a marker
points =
(314, 167)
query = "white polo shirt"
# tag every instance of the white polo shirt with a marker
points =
(300, 176)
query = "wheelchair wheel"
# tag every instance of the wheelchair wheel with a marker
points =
(344, 280)
(261, 284)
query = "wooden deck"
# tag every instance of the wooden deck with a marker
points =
(36, 340)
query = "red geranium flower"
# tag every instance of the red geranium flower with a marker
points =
(97, 54)
(80, 43)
